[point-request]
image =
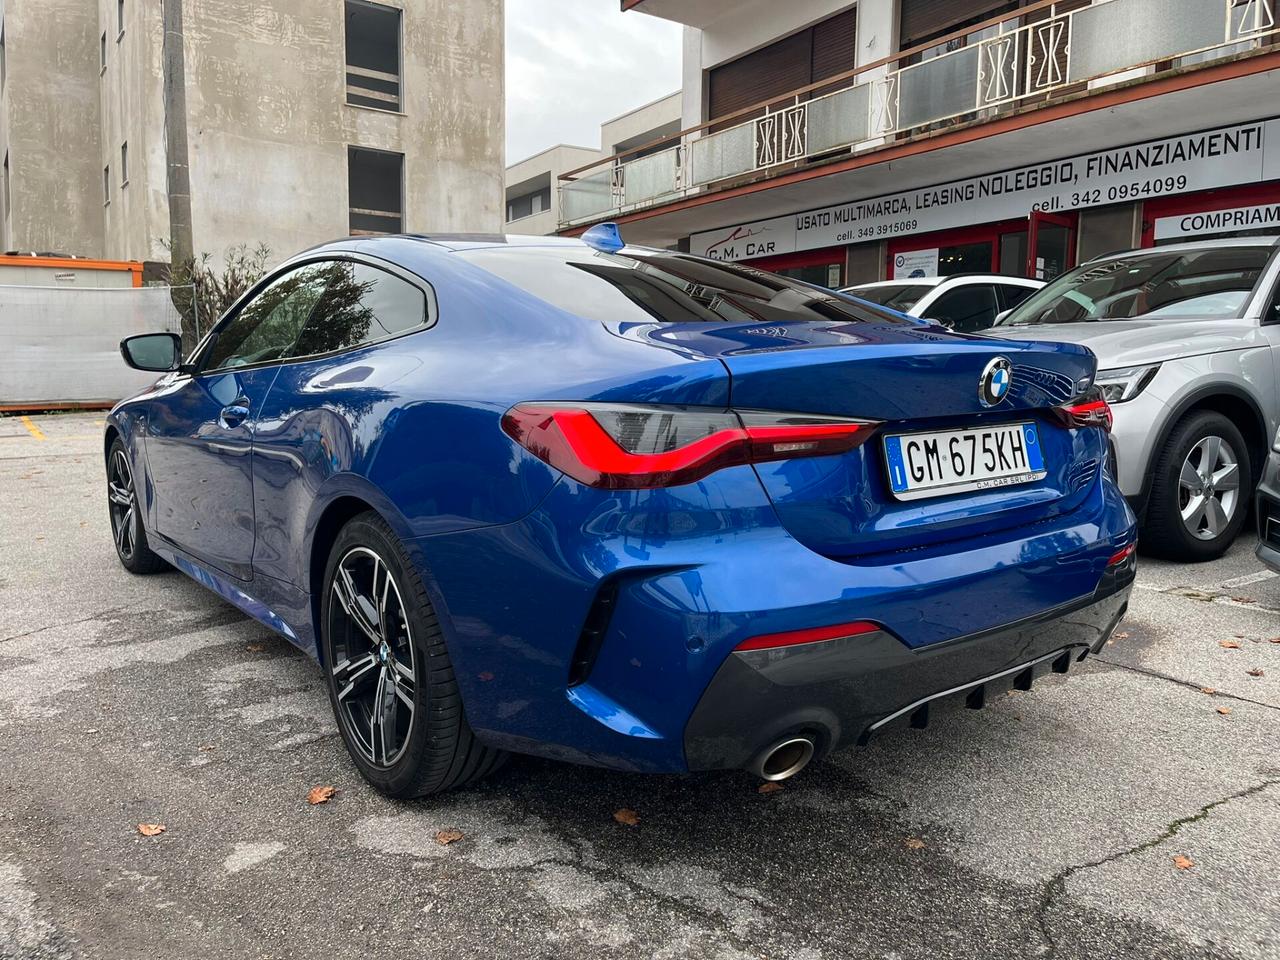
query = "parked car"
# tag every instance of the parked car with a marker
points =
(1187, 339)
(620, 506)
(964, 303)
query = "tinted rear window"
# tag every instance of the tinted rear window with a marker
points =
(648, 286)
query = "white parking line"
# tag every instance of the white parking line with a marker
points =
(1250, 578)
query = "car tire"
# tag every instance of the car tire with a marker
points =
(1182, 522)
(123, 511)
(381, 645)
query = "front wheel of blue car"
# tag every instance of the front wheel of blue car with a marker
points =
(391, 682)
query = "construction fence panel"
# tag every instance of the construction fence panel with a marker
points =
(60, 345)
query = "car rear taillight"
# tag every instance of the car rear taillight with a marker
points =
(1123, 554)
(1090, 410)
(634, 447)
(793, 638)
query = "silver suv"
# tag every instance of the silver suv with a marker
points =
(1188, 344)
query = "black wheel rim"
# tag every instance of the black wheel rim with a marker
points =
(121, 501)
(372, 657)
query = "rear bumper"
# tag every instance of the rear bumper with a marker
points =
(1267, 513)
(842, 692)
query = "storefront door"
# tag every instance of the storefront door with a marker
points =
(1051, 245)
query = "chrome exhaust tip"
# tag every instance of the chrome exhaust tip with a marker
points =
(785, 759)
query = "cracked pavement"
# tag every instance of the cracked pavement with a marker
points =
(1043, 826)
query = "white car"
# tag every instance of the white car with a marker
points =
(965, 302)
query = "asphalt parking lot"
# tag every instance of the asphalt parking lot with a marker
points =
(1044, 826)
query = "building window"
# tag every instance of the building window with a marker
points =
(124, 164)
(816, 53)
(120, 18)
(373, 55)
(102, 53)
(375, 186)
(527, 204)
(106, 184)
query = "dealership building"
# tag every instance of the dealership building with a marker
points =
(843, 143)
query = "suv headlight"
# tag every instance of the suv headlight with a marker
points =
(1124, 383)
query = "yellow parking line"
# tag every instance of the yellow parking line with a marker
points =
(32, 428)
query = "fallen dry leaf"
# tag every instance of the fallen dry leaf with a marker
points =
(1244, 599)
(446, 837)
(1229, 644)
(914, 843)
(627, 817)
(1225, 711)
(151, 829)
(320, 795)
(1183, 863)
(1208, 689)
(255, 647)
(205, 748)
(1120, 636)
(1274, 640)
(769, 787)
(1256, 672)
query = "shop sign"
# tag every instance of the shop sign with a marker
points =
(1265, 217)
(917, 263)
(1200, 161)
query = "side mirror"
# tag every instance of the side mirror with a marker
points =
(153, 352)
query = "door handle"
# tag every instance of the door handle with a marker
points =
(235, 413)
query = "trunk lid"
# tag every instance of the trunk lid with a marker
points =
(911, 378)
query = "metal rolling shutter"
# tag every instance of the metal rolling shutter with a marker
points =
(922, 19)
(835, 45)
(815, 53)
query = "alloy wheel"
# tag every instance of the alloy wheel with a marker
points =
(121, 500)
(1209, 488)
(372, 657)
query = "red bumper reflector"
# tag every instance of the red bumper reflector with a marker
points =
(1123, 554)
(812, 635)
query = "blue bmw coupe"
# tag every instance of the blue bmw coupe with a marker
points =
(621, 506)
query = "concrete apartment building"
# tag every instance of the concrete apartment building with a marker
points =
(533, 196)
(843, 142)
(307, 120)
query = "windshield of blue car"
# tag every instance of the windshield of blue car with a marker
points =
(895, 296)
(648, 286)
(1210, 284)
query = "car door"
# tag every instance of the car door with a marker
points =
(966, 307)
(199, 440)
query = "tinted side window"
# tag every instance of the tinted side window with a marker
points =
(269, 324)
(1014, 294)
(360, 305)
(967, 308)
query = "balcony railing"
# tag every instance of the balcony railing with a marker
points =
(997, 66)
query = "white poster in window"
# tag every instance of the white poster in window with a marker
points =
(915, 264)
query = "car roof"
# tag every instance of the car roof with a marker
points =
(1191, 246)
(938, 281)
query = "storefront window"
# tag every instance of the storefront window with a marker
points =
(1013, 254)
(964, 258)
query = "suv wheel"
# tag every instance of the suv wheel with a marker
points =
(1200, 494)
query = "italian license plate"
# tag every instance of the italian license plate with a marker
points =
(956, 461)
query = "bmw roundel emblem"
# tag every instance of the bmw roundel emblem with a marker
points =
(996, 380)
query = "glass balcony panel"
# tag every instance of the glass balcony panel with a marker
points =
(649, 177)
(724, 154)
(587, 196)
(943, 87)
(839, 120)
(1121, 34)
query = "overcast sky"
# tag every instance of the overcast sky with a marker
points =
(573, 63)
